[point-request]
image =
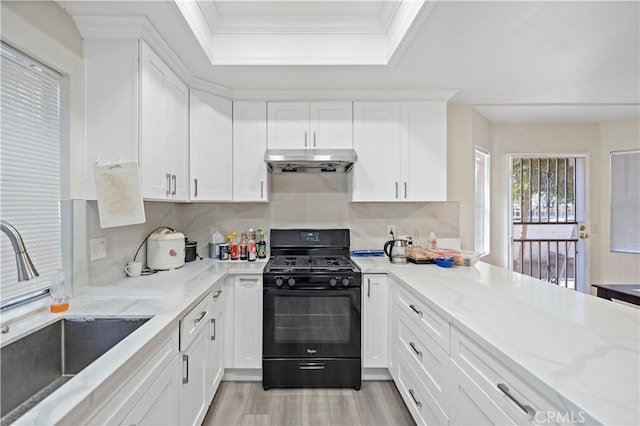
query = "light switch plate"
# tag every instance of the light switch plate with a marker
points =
(98, 248)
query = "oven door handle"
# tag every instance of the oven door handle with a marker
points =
(315, 292)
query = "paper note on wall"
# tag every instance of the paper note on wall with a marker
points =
(119, 194)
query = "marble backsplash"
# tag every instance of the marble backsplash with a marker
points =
(296, 201)
(320, 201)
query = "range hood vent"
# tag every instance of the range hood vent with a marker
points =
(310, 160)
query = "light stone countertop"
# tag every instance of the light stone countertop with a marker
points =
(570, 346)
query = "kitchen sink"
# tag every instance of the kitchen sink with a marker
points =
(36, 365)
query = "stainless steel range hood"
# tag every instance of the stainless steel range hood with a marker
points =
(310, 160)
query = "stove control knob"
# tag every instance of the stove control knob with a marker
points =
(291, 282)
(333, 282)
(279, 282)
(345, 282)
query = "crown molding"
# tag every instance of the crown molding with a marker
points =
(139, 28)
(437, 95)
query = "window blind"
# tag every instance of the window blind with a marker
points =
(625, 201)
(481, 203)
(30, 174)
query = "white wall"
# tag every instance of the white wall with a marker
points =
(613, 268)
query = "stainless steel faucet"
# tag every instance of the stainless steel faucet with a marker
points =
(26, 270)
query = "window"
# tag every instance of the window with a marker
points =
(481, 205)
(625, 201)
(30, 136)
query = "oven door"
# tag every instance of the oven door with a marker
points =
(311, 323)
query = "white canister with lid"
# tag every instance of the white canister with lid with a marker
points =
(165, 250)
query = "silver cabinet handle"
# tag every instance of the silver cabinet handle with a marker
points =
(168, 178)
(418, 403)
(213, 324)
(195, 184)
(261, 189)
(305, 138)
(413, 307)
(185, 365)
(413, 346)
(215, 296)
(396, 189)
(173, 179)
(529, 410)
(314, 138)
(368, 287)
(405, 190)
(197, 320)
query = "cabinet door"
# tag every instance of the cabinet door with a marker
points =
(424, 151)
(210, 147)
(288, 125)
(469, 405)
(176, 137)
(375, 300)
(250, 178)
(156, 179)
(111, 85)
(331, 125)
(193, 393)
(160, 403)
(248, 322)
(215, 367)
(376, 140)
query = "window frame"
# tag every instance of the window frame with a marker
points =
(484, 233)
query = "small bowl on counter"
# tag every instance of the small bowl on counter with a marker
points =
(467, 258)
(445, 262)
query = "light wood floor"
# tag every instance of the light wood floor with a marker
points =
(246, 403)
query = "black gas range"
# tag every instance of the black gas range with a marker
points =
(312, 310)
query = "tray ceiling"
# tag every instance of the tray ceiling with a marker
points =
(301, 32)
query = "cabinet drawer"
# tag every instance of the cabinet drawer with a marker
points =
(426, 357)
(425, 318)
(194, 321)
(512, 394)
(422, 405)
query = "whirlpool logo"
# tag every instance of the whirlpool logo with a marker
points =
(311, 351)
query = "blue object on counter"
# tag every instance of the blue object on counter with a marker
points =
(367, 253)
(445, 262)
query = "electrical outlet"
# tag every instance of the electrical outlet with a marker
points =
(391, 229)
(98, 248)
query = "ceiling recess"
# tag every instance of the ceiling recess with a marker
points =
(302, 32)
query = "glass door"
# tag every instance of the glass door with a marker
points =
(548, 219)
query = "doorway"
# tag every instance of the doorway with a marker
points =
(548, 229)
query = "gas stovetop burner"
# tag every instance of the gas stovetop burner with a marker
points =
(310, 263)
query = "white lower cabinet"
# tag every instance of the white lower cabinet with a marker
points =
(419, 364)
(247, 322)
(159, 405)
(470, 405)
(215, 367)
(243, 327)
(194, 347)
(375, 300)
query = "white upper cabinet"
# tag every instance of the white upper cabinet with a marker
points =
(376, 139)
(164, 130)
(250, 177)
(210, 147)
(314, 125)
(402, 151)
(137, 110)
(424, 151)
